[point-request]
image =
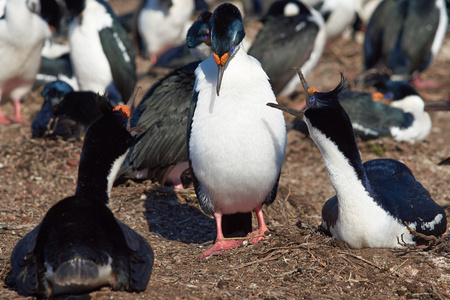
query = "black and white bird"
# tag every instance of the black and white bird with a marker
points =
(293, 35)
(405, 118)
(101, 53)
(23, 31)
(373, 200)
(404, 36)
(338, 15)
(160, 151)
(65, 113)
(80, 246)
(197, 46)
(236, 144)
(162, 24)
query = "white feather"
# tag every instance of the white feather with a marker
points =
(421, 126)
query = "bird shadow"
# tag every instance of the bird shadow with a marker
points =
(174, 220)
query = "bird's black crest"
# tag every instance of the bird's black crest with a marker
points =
(330, 98)
(226, 28)
(205, 16)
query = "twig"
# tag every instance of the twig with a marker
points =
(433, 241)
(395, 270)
(362, 259)
(285, 274)
(267, 258)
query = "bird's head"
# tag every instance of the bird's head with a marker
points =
(197, 38)
(226, 32)
(317, 103)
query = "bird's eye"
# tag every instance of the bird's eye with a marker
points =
(204, 36)
(389, 96)
(311, 100)
(232, 50)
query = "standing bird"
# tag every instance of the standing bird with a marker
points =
(293, 35)
(23, 31)
(160, 152)
(404, 36)
(374, 201)
(80, 246)
(236, 144)
(101, 53)
(162, 24)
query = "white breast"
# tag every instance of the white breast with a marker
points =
(237, 143)
(361, 222)
(90, 65)
(159, 28)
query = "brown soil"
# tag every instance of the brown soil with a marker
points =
(295, 261)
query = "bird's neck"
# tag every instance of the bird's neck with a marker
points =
(345, 170)
(95, 178)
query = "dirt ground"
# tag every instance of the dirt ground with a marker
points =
(296, 261)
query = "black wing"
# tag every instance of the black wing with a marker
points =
(418, 36)
(379, 42)
(164, 112)
(371, 119)
(398, 192)
(279, 47)
(120, 54)
(24, 264)
(141, 261)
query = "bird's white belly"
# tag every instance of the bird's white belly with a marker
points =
(237, 155)
(90, 65)
(159, 31)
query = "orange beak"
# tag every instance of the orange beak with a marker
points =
(220, 61)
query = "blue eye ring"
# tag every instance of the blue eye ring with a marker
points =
(204, 36)
(389, 96)
(232, 50)
(312, 99)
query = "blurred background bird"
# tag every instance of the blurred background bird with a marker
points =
(24, 27)
(162, 24)
(404, 36)
(101, 52)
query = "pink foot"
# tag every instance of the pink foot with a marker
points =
(220, 246)
(4, 121)
(256, 236)
(18, 120)
(424, 84)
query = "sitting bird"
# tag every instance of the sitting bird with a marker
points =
(80, 246)
(65, 113)
(378, 204)
(405, 119)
